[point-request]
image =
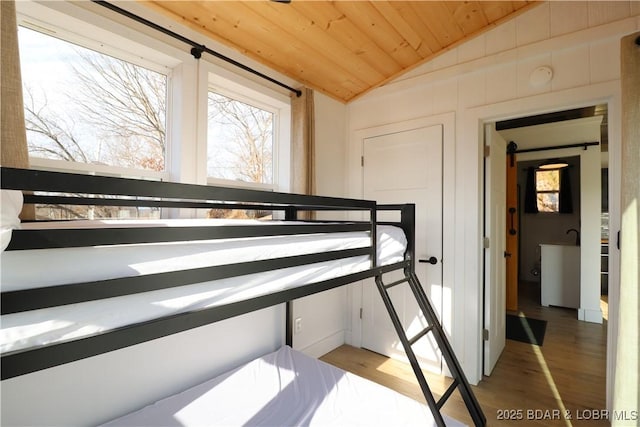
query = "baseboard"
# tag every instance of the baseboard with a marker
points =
(593, 316)
(324, 346)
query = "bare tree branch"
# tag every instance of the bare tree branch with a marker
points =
(58, 141)
(123, 103)
(131, 104)
(113, 112)
(250, 131)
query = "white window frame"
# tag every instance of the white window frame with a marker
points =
(557, 211)
(221, 80)
(189, 81)
(72, 23)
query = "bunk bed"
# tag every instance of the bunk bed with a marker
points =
(138, 280)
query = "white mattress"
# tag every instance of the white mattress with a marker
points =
(285, 388)
(49, 267)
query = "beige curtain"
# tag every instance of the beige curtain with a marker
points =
(13, 137)
(303, 143)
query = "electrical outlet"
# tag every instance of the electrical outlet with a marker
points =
(297, 325)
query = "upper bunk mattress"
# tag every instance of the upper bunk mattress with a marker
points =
(27, 269)
(285, 388)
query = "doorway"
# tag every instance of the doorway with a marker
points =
(560, 205)
(537, 134)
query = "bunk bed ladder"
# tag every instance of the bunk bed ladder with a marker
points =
(459, 379)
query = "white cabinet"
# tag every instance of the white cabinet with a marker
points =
(560, 275)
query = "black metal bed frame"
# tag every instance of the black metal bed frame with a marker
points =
(78, 189)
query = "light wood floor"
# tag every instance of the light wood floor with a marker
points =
(566, 374)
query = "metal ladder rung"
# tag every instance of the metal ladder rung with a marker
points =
(396, 283)
(459, 379)
(421, 334)
(447, 394)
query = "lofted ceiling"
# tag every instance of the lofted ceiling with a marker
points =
(341, 48)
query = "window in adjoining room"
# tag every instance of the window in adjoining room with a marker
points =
(548, 190)
(86, 107)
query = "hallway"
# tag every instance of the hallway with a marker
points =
(535, 385)
(566, 373)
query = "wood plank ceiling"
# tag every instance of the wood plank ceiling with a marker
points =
(340, 48)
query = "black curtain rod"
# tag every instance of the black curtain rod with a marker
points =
(555, 147)
(196, 48)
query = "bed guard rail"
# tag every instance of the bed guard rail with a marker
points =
(78, 189)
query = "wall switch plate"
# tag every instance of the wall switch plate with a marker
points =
(297, 325)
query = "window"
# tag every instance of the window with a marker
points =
(240, 147)
(89, 111)
(102, 100)
(240, 141)
(247, 135)
(86, 107)
(548, 190)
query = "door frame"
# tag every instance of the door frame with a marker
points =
(355, 186)
(471, 139)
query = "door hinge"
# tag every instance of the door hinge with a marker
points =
(485, 334)
(485, 243)
(362, 161)
(487, 150)
(360, 312)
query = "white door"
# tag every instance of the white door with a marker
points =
(406, 167)
(495, 212)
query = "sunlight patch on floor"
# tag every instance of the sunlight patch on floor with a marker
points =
(545, 370)
(604, 306)
(552, 384)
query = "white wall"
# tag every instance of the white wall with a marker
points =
(487, 79)
(95, 390)
(331, 150)
(590, 204)
(324, 315)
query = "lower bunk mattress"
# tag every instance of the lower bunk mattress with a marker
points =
(284, 388)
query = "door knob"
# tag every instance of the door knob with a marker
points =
(431, 260)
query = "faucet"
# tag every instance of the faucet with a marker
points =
(577, 235)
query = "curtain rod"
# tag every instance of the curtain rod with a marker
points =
(512, 149)
(196, 48)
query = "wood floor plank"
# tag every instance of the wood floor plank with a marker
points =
(567, 375)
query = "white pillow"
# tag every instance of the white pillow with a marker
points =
(10, 207)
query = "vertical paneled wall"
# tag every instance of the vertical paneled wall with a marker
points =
(578, 40)
(488, 79)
